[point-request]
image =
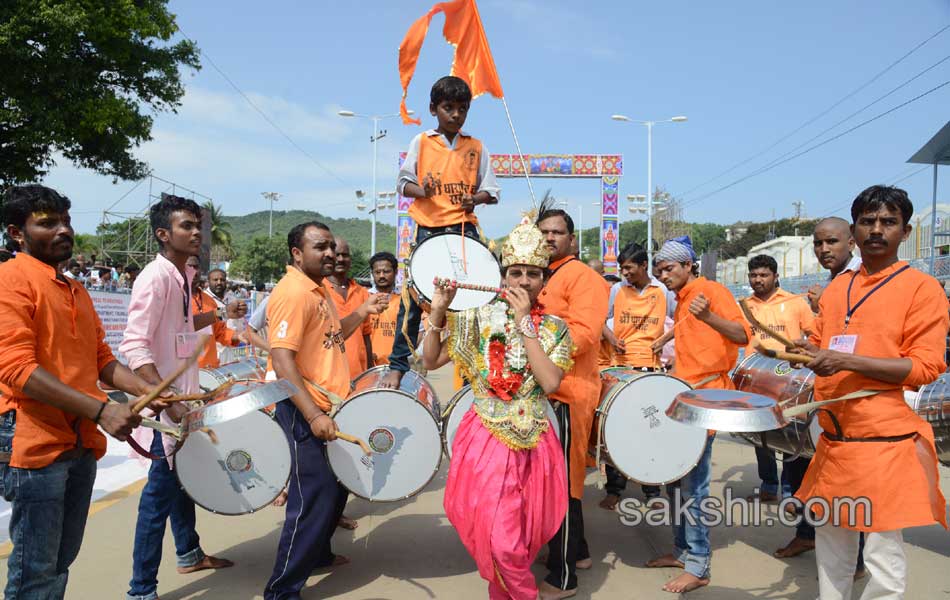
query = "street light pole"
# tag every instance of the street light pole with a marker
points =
(377, 135)
(272, 197)
(649, 126)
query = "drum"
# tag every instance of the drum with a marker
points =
(459, 405)
(401, 427)
(440, 255)
(932, 404)
(634, 433)
(776, 379)
(248, 368)
(243, 463)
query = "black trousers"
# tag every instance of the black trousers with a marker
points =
(616, 483)
(568, 545)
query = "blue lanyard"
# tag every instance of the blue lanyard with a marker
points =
(851, 311)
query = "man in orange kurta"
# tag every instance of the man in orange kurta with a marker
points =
(882, 327)
(347, 296)
(577, 294)
(383, 266)
(787, 315)
(218, 332)
(709, 330)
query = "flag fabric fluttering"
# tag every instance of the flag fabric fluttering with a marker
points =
(473, 61)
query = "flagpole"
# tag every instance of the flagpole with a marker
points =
(524, 167)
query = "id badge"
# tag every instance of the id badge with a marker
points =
(843, 343)
(185, 344)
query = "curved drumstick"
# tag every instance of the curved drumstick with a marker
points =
(367, 458)
(446, 282)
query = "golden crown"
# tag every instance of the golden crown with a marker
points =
(525, 246)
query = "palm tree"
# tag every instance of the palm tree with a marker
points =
(220, 232)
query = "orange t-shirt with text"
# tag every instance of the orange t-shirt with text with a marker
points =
(455, 172)
(384, 331)
(302, 317)
(220, 333)
(638, 321)
(784, 313)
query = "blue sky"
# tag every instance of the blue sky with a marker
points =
(746, 73)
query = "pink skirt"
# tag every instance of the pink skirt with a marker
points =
(504, 503)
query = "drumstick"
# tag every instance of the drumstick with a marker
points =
(802, 409)
(367, 458)
(761, 326)
(144, 401)
(464, 262)
(446, 282)
(200, 397)
(792, 357)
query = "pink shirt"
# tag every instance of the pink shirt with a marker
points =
(159, 309)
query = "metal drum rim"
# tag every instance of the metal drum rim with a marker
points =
(444, 421)
(237, 514)
(198, 414)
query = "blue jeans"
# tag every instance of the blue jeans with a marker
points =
(399, 357)
(49, 510)
(691, 539)
(162, 499)
(768, 473)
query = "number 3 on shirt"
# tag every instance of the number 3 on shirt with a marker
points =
(282, 330)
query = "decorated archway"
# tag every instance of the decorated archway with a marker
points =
(608, 168)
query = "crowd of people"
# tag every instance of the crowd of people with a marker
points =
(516, 477)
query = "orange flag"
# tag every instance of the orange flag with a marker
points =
(473, 61)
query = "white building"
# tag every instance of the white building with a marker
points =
(917, 244)
(795, 256)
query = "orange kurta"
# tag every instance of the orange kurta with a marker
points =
(302, 317)
(455, 172)
(219, 331)
(384, 330)
(701, 351)
(785, 314)
(638, 321)
(577, 294)
(907, 318)
(48, 322)
(355, 345)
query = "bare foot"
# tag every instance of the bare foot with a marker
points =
(391, 380)
(794, 548)
(208, 562)
(281, 499)
(667, 560)
(584, 564)
(655, 502)
(610, 502)
(339, 560)
(860, 574)
(546, 591)
(347, 523)
(685, 583)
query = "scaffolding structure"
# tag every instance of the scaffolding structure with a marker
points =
(133, 242)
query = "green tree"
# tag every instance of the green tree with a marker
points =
(220, 232)
(75, 75)
(262, 259)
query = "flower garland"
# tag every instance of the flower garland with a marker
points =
(506, 376)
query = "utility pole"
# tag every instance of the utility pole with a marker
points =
(272, 197)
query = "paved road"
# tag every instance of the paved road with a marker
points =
(408, 550)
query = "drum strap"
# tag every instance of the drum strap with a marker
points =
(335, 400)
(145, 453)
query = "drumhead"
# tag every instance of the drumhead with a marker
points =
(243, 472)
(440, 255)
(644, 444)
(460, 404)
(405, 440)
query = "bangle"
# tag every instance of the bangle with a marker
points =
(99, 414)
(432, 326)
(527, 328)
(315, 417)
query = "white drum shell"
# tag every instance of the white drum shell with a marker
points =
(244, 369)
(460, 404)
(636, 436)
(440, 255)
(401, 426)
(243, 472)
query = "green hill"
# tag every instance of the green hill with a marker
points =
(355, 231)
